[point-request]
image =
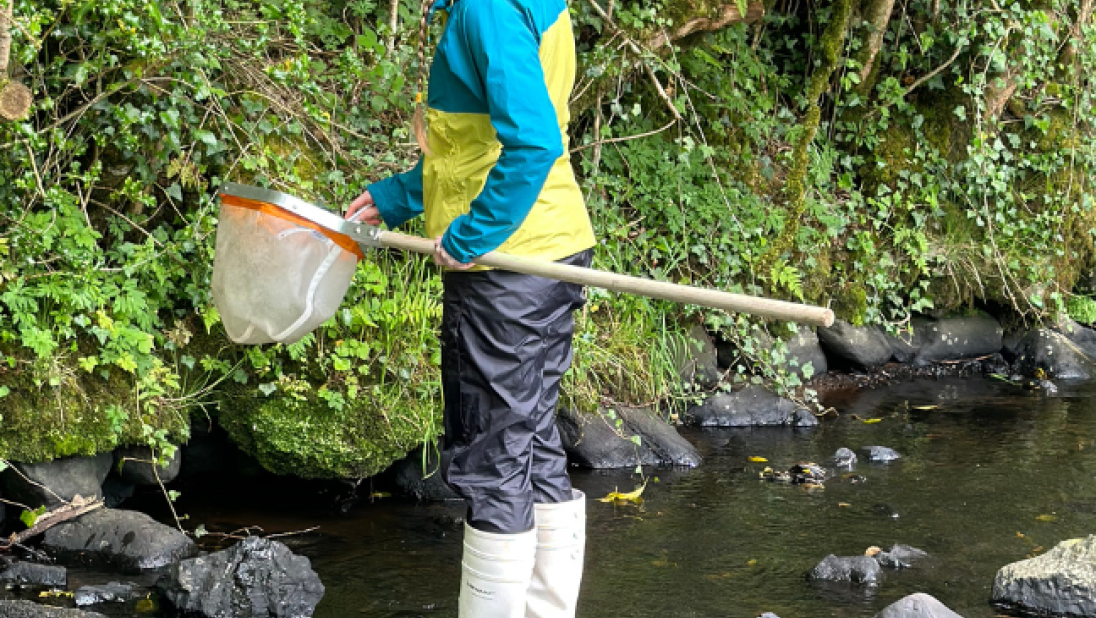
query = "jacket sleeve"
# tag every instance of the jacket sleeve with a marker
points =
(399, 197)
(505, 50)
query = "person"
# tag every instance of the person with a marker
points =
(495, 174)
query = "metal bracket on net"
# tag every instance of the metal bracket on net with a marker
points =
(367, 236)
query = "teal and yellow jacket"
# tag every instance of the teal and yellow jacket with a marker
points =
(499, 175)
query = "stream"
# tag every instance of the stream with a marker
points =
(990, 473)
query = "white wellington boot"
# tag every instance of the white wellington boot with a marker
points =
(561, 545)
(495, 574)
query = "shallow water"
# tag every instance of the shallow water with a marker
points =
(990, 475)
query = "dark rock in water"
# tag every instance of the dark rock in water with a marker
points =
(859, 347)
(695, 358)
(27, 609)
(135, 464)
(957, 338)
(126, 541)
(607, 439)
(843, 458)
(107, 593)
(860, 570)
(753, 406)
(256, 578)
(881, 454)
(68, 477)
(900, 557)
(116, 491)
(996, 365)
(29, 573)
(419, 475)
(1061, 582)
(1057, 355)
(919, 605)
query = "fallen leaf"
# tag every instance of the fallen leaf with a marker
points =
(1046, 518)
(871, 551)
(752, 562)
(759, 459)
(844, 504)
(144, 606)
(1020, 534)
(632, 496)
(869, 421)
(925, 407)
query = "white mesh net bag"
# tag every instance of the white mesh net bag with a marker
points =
(277, 276)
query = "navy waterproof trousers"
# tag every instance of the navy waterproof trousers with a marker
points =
(506, 342)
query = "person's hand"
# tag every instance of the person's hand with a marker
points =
(368, 210)
(442, 258)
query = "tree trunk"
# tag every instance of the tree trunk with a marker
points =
(7, 8)
(877, 15)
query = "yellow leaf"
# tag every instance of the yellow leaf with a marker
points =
(924, 407)
(759, 460)
(46, 594)
(869, 421)
(632, 496)
(844, 504)
(1046, 518)
(752, 562)
(144, 606)
(380, 494)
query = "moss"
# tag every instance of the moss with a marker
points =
(310, 439)
(850, 303)
(81, 415)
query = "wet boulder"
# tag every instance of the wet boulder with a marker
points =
(880, 454)
(1061, 582)
(1054, 353)
(256, 578)
(919, 605)
(947, 339)
(623, 438)
(858, 347)
(859, 570)
(49, 482)
(135, 464)
(753, 406)
(27, 609)
(31, 574)
(419, 475)
(113, 592)
(125, 541)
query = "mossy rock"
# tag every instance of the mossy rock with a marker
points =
(310, 439)
(80, 414)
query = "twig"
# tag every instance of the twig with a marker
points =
(64, 513)
(281, 534)
(128, 220)
(625, 138)
(639, 52)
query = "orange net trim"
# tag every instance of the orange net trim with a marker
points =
(341, 240)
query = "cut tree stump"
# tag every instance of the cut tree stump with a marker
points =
(15, 100)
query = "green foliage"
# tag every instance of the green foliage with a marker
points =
(955, 173)
(1082, 309)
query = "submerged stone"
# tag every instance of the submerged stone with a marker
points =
(113, 592)
(860, 570)
(256, 578)
(1061, 582)
(881, 454)
(919, 605)
(900, 557)
(27, 609)
(29, 573)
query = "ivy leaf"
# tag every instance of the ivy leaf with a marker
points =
(29, 518)
(268, 388)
